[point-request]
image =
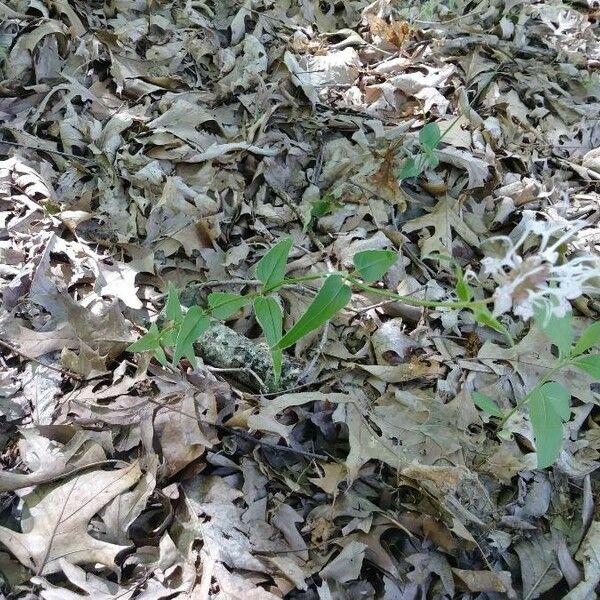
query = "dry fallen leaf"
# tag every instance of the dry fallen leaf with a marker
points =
(589, 555)
(57, 525)
(149, 144)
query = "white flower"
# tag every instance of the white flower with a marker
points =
(528, 278)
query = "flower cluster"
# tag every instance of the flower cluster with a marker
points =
(530, 271)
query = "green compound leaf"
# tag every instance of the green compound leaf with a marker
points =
(223, 305)
(149, 341)
(194, 324)
(374, 264)
(270, 318)
(270, 269)
(548, 409)
(589, 338)
(590, 364)
(332, 297)
(430, 137)
(486, 404)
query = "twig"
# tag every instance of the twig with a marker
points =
(364, 309)
(537, 582)
(253, 440)
(225, 283)
(238, 432)
(302, 386)
(59, 152)
(66, 372)
(261, 383)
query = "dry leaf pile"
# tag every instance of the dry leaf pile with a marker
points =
(148, 143)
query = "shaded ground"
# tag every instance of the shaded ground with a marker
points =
(150, 142)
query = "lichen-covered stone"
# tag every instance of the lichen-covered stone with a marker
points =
(220, 346)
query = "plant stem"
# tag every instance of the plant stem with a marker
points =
(302, 279)
(412, 300)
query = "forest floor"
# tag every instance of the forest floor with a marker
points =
(416, 451)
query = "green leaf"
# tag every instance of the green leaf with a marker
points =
(320, 208)
(485, 317)
(431, 159)
(174, 314)
(173, 310)
(559, 330)
(548, 409)
(270, 269)
(463, 289)
(486, 404)
(441, 257)
(589, 338)
(590, 363)
(332, 297)
(223, 305)
(374, 264)
(409, 169)
(149, 341)
(430, 137)
(194, 324)
(160, 356)
(270, 318)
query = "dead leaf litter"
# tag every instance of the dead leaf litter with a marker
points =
(144, 144)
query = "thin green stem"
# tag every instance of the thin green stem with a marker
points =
(407, 299)
(412, 300)
(296, 280)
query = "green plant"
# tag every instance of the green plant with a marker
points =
(429, 138)
(326, 205)
(548, 402)
(182, 329)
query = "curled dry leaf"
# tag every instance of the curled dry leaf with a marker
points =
(48, 459)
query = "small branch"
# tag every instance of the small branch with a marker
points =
(80, 159)
(253, 440)
(303, 386)
(247, 370)
(227, 283)
(66, 372)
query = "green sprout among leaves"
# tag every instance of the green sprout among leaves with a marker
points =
(182, 329)
(429, 138)
(548, 402)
